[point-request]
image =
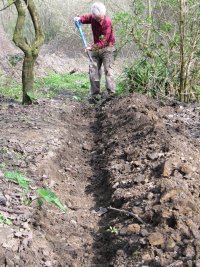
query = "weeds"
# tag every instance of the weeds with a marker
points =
(11, 89)
(17, 178)
(44, 193)
(113, 230)
(49, 197)
(75, 85)
(5, 220)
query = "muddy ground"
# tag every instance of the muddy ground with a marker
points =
(133, 154)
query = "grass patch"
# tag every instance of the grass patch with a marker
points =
(76, 86)
(10, 88)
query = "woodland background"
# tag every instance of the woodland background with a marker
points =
(157, 41)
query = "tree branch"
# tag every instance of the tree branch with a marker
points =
(18, 39)
(7, 6)
(39, 36)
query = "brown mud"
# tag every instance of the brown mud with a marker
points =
(134, 154)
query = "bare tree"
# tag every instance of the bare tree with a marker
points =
(30, 49)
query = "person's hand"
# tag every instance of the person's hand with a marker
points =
(89, 48)
(77, 19)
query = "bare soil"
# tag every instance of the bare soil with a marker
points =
(127, 171)
(132, 153)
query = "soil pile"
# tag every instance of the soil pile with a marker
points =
(127, 170)
(151, 155)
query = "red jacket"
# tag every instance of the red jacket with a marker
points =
(102, 31)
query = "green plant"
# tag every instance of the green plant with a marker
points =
(198, 89)
(44, 193)
(5, 220)
(17, 178)
(112, 230)
(75, 85)
(49, 197)
(144, 77)
(10, 88)
(166, 38)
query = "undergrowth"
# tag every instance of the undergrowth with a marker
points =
(76, 86)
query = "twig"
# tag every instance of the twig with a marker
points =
(7, 6)
(129, 214)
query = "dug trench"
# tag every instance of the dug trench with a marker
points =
(127, 171)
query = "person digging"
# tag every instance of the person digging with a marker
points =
(101, 50)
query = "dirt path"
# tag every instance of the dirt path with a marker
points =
(131, 153)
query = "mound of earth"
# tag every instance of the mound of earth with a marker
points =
(127, 171)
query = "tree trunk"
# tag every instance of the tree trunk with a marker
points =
(27, 78)
(30, 50)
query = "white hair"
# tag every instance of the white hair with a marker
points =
(98, 9)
